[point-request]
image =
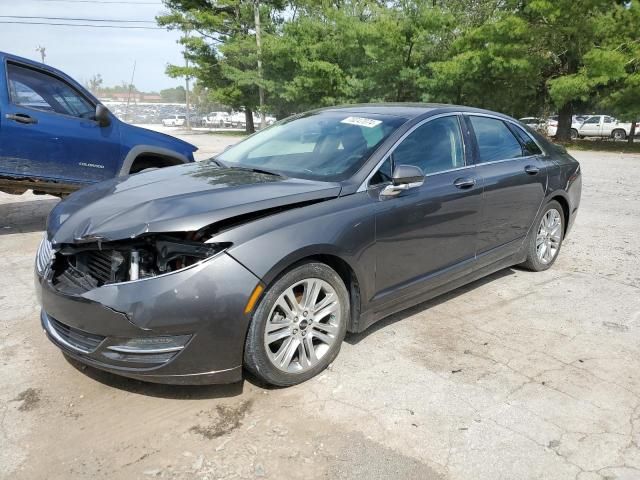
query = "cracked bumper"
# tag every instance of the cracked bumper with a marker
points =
(207, 303)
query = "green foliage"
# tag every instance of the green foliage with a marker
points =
(518, 57)
(174, 95)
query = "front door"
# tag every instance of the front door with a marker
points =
(426, 236)
(592, 127)
(48, 131)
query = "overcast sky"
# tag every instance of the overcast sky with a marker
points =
(84, 51)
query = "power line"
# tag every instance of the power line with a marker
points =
(79, 25)
(77, 19)
(101, 1)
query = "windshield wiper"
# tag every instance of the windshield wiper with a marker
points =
(218, 162)
(253, 169)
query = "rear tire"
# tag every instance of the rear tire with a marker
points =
(545, 238)
(299, 325)
(619, 134)
(574, 134)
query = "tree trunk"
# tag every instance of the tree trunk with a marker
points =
(632, 133)
(565, 115)
(248, 118)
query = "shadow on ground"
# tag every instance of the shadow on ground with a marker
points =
(355, 338)
(196, 392)
(174, 392)
(25, 217)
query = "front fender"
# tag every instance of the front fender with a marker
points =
(343, 227)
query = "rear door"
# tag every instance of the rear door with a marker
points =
(514, 185)
(47, 130)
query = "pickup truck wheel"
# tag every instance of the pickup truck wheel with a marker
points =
(619, 134)
(574, 134)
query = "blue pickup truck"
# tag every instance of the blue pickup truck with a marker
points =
(56, 137)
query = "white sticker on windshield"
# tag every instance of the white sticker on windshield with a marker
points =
(362, 122)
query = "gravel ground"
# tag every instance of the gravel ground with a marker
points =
(518, 376)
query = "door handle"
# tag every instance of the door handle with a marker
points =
(21, 118)
(464, 183)
(531, 169)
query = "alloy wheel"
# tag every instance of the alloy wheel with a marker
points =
(549, 236)
(303, 325)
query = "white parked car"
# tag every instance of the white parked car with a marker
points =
(535, 123)
(174, 121)
(217, 119)
(601, 126)
(552, 123)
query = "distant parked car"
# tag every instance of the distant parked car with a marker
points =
(174, 121)
(601, 126)
(552, 123)
(56, 137)
(535, 123)
(217, 120)
(238, 120)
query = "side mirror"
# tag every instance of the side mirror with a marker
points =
(102, 115)
(405, 177)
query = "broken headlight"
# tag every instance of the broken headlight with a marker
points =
(45, 255)
(90, 266)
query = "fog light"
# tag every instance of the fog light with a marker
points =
(148, 345)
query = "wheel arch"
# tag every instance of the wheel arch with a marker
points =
(566, 210)
(164, 155)
(328, 255)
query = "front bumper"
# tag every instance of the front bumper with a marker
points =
(205, 302)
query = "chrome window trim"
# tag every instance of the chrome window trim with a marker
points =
(364, 186)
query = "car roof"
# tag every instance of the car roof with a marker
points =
(409, 110)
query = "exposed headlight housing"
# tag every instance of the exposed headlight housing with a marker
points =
(45, 255)
(95, 264)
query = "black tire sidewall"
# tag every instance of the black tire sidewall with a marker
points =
(255, 355)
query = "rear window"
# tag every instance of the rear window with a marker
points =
(495, 140)
(528, 144)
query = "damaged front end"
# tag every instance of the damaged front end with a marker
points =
(81, 267)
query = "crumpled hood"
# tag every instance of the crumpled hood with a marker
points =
(174, 199)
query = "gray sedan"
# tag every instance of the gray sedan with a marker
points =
(263, 257)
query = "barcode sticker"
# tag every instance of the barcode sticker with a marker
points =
(362, 122)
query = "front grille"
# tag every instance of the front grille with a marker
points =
(102, 264)
(85, 271)
(44, 255)
(75, 338)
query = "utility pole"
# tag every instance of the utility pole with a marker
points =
(186, 81)
(256, 14)
(41, 49)
(126, 111)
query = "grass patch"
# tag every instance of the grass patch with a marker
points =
(602, 146)
(229, 133)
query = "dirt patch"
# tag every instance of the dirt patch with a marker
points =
(225, 419)
(30, 399)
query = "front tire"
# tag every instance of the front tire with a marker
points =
(545, 239)
(574, 134)
(299, 325)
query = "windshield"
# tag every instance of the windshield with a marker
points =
(327, 145)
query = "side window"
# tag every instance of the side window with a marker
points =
(608, 120)
(528, 144)
(435, 146)
(495, 140)
(35, 89)
(384, 173)
(593, 120)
